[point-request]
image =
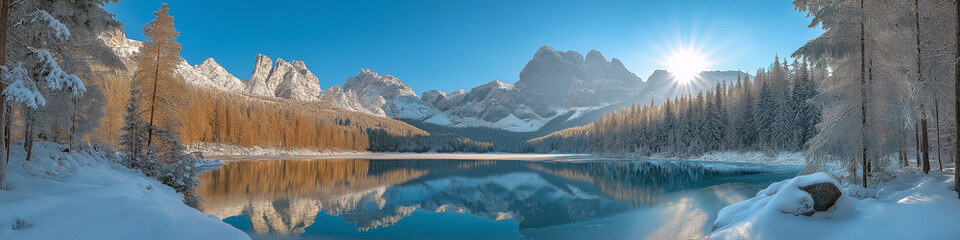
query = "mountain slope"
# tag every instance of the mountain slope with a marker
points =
(381, 95)
(552, 83)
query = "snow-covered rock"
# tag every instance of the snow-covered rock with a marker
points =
(257, 85)
(218, 77)
(914, 206)
(289, 80)
(382, 95)
(209, 74)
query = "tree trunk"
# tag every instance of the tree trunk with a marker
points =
(863, 97)
(936, 110)
(925, 146)
(925, 142)
(153, 99)
(8, 119)
(28, 134)
(956, 107)
(73, 122)
(916, 138)
(4, 154)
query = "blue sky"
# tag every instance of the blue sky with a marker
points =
(453, 44)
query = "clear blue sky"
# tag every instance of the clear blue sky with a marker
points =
(449, 45)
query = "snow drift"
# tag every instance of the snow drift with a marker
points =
(914, 206)
(86, 194)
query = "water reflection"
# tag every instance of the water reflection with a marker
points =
(287, 197)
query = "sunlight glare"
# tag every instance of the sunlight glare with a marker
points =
(685, 64)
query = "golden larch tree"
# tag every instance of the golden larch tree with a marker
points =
(156, 76)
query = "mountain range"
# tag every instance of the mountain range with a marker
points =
(561, 88)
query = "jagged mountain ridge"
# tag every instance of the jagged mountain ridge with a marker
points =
(552, 84)
(661, 85)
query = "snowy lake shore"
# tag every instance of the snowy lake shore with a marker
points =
(912, 206)
(230, 153)
(84, 194)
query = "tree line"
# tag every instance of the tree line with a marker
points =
(768, 113)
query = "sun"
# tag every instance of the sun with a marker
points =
(686, 64)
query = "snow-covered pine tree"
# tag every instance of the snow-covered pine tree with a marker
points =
(745, 123)
(763, 116)
(711, 127)
(807, 115)
(177, 166)
(45, 31)
(133, 140)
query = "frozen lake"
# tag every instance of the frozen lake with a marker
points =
(540, 198)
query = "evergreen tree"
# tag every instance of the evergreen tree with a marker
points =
(177, 170)
(807, 116)
(745, 123)
(763, 116)
(133, 140)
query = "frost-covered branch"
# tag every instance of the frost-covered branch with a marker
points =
(21, 87)
(55, 76)
(59, 29)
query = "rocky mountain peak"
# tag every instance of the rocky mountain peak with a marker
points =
(290, 80)
(383, 95)
(595, 57)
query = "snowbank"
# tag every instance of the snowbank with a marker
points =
(87, 195)
(783, 158)
(215, 149)
(914, 206)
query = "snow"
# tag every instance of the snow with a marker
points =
(83, 194)
(226, 152)
(783, 158)
(211, 75)
(510, 123)
(60, 31)
(579, 111)
(55, 76)
(913, 206)
(439, 119)
(22, 89)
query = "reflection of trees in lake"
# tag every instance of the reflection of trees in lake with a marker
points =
(284, 197)
(640, 182)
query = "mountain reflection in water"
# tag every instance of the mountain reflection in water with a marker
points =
(286, 198)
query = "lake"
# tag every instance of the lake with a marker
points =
(478, 199)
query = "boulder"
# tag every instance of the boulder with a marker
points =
(824, 194)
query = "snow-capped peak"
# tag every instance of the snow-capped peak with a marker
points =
(211, 74)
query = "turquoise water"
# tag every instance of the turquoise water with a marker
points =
(476, 199)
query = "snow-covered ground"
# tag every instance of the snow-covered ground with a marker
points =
(226, 152)
(913, 206)
(782, 158)
(87, 195)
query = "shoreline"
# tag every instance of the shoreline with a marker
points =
(226, 159)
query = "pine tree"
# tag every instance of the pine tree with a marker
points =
(763, 116)
(745, 124)
(133, 140)
(807, 116)
(177, 167)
